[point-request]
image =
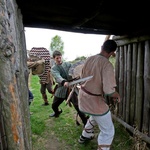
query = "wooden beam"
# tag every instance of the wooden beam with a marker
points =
(143, 137)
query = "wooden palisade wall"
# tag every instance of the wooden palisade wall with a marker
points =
(133, 80)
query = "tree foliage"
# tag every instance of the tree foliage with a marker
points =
(57, 44)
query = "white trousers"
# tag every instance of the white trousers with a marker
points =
(106, 128)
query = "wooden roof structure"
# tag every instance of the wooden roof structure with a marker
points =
(108, 17)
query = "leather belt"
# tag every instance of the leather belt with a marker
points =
(90, 92)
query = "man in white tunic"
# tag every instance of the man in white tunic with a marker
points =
(92, 93)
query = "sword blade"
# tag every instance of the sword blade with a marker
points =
(80, 80)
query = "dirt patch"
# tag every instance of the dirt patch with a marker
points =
(51, 142)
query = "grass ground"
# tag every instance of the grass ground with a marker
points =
(62, 133)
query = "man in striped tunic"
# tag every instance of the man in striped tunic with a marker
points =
(46, 79)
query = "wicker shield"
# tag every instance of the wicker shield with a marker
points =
(36, 64)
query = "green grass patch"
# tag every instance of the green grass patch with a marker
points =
(63, 131)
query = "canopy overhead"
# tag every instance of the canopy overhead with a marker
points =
(108, 17)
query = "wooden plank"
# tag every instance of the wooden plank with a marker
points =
(133, 84)
(139, 87)
(125, 82)
(128, 86)
(121, 80)
(142, 136)
(128, 40)
(146, 106)
(117, 68)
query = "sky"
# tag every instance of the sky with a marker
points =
(75, 44)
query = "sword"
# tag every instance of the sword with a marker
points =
(80, 80)
(73, 89)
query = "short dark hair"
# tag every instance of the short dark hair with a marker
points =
(56, 53)
(109, 46)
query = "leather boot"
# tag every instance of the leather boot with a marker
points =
(44, 96)
(56, 114)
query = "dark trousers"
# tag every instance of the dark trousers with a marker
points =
(74, 100)
(31, 97)
(45, 86)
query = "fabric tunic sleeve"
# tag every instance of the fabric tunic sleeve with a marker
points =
(56, 74)
(109, 82)
(61, 72)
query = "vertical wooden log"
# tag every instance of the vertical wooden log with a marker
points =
(146, 106)
(139, 87)
(3, 140)
(133, 83)
(128, 87)
(125, 82)
(107, 37)
(121, 74)
(14, 78)
(117, 68)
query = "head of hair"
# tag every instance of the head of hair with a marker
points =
(56, 53)
(109, 46)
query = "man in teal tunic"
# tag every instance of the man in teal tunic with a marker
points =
(60, 71)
